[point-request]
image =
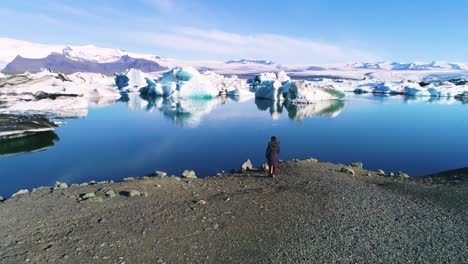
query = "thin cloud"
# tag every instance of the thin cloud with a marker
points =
(160, 4)
(268, 46)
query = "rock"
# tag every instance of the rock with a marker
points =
(92, 182)
(312, 160)
(95, 199)
(131, 193)
(110, 193)
(189, 174)
(84, 184)
(348, 170)
(392, 174)
(176, 178)
(403, 175)
(369, 174)
(246, 166)
(356, 165)
(215, 226)
(74, 185)
(2, 199)
(144, 194)
(129, 179)
(88, 195)
(266, 167)
(20, 192)
(202, 202)
(381, 172)
(61, 185)
(160, 174)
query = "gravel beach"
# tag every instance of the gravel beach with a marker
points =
(311, 212)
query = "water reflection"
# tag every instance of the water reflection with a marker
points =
(299, 112)
(183, 112)
(30, 143)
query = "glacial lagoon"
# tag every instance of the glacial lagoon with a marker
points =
(136, 136)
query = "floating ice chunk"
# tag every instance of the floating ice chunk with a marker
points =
(305, 92)
(269, 85)
(187, 82)
(131, 81)
(279, 86)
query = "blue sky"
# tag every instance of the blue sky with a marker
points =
(323, 31)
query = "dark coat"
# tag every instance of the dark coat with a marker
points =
(272, 153)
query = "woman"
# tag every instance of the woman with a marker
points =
(272, 155)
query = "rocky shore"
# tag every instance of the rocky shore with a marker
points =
(312, 212)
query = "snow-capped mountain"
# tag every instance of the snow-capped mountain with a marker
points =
(412, 66)
(21, 56)
(250, 61)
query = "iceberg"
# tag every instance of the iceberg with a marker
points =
(269, 85)
(131, 81)
(187, 82)
(303, 92)
(55, 94)
(277, 87)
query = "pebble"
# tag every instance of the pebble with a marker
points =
(88, 195)
(403, 175)
(247, 165)
(348, 170)
(95, 199)
(189, 174)
(129, 179)
(110, 193)
(20, 192)
(202, 202)
(381, 172)
(2, 199)
(356, 165)
(160, 174)
(61, 185)
(131, 193)
(312, 160)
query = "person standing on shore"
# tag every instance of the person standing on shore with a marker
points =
(272, 155)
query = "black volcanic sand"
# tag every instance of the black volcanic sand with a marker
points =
(309, 213)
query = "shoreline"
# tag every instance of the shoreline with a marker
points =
(441, 177)
(311, 212)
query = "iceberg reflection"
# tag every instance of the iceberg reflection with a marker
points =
(299, 112)
(30, 143)
(183, 112)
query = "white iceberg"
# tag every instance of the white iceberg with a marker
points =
(187, 82)
(56, 94)
(131, 81)
(277, 87)
(303, 92)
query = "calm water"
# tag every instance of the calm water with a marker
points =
(137, 137)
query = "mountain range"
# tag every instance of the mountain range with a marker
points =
(21, 56)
